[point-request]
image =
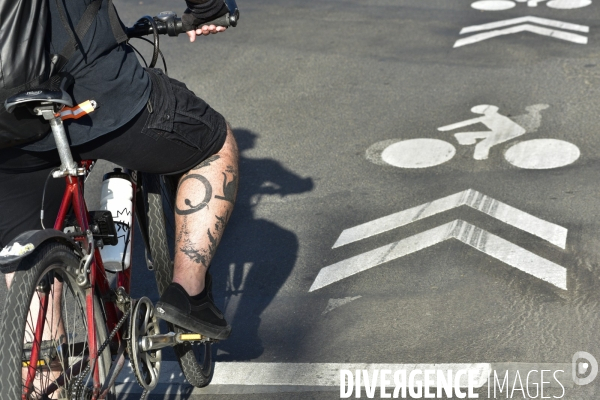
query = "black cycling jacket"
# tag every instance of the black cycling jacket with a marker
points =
(103, 70)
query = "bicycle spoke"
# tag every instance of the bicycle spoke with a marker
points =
(56, 336)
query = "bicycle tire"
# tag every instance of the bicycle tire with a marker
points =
(52, 266)
(161, 230)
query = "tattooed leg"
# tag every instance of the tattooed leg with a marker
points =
(205, 199)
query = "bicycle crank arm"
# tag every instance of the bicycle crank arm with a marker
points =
(156, 342)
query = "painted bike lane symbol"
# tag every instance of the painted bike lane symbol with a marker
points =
(528, 154)
(501, 129)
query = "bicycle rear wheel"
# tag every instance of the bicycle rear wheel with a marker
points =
(44, 289)
(195, 360)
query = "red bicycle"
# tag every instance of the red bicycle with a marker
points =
(66, 331)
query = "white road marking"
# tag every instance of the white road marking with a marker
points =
(424, 152)
(418, 153)
(515, 21)
(301, 374)
(533, 119)
(568, 4)
(542, 154)
(531, 3)
(475, 237)
(553, 233)
(570, 37)
(335, 303)
(501, 129)
(493, 5)
(373, 153)
(172, 383)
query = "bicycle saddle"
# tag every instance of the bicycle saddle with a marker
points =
(54, 91)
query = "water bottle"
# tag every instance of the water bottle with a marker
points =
(116, 197)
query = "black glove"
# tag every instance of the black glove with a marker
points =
(199, 12)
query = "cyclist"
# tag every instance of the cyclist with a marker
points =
(148, 122)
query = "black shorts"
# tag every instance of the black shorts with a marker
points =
(174, 133)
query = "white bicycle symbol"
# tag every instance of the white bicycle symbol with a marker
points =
(499, 5)
(528, 154)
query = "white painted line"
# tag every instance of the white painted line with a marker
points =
(418, 153)
(176, 387)
(493, 5)
(478, 238)
(570, 37)
(568, 4)
(303, 374)
(553, 233)
(542, 154)
(514, 21)
(177, 390)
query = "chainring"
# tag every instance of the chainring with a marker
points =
(145, 364)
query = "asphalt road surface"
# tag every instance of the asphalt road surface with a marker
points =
(471, 125)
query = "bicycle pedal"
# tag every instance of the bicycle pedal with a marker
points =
(196, 338)
(192, 337)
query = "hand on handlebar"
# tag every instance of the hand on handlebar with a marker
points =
(195, 18)
(205, 30)
(167, 23)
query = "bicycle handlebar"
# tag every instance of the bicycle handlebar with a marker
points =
(167, 23)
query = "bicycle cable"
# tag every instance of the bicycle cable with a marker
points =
(155, 44)
(139, 54)
(142, 57)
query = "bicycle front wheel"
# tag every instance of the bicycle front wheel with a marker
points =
(195, 360)
(44, 341)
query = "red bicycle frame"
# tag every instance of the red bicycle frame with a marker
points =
(73, 200)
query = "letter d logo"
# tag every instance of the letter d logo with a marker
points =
(580, 368)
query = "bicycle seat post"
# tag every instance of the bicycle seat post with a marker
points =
(68, 166)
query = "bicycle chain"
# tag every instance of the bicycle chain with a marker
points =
(78, 388)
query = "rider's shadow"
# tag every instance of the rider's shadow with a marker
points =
(256, 256)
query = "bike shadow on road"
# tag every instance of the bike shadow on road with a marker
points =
(256, 255)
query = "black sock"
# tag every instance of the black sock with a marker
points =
(199, 298)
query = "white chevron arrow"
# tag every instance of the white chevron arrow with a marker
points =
(478, 238)
(469, 234)
(555, 234)
(537, 20)
(522, 25)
